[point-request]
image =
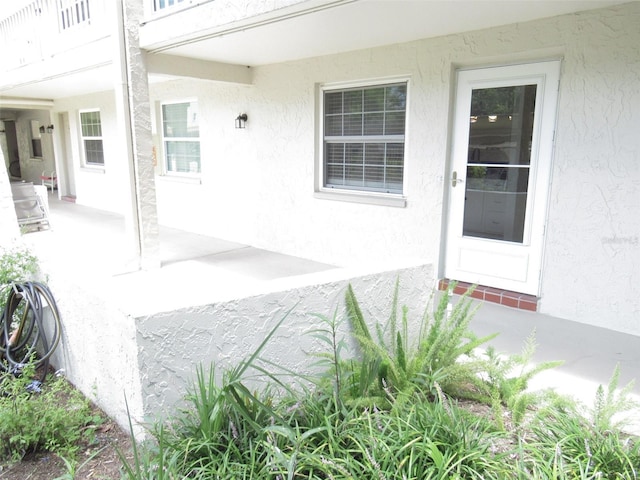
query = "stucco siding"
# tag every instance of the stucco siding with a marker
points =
(105, 187)
(592, 265)
(172, 344)
(257, 184)
(98, 349)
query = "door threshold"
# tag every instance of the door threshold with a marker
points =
(508, 298)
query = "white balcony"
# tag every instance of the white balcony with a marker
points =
(57, 48)
(50, 39)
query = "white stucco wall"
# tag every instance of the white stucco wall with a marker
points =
(172, 344)
(97, 187)
(592, 263)
(98, 349)
(257, 184)
(31, 167)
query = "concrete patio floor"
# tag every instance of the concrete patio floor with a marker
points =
(193, 269)
(193, 265)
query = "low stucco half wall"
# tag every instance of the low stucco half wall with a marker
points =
(98, 350)
(172, 344)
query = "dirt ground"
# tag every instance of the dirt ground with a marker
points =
(104, 465)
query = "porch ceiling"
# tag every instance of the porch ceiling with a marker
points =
(315, 27)
(308, 29)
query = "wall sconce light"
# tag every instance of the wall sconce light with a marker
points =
(492, 118)
(50, 129)
(241, 120)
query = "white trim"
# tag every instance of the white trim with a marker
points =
(500, 263)
(364, 197)
(165, 172)
(351, 194)
(83, 150)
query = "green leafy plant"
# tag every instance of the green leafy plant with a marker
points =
(566, 443)
(319, 432)
(507, 381)
(612, 403)
(33, 418)
(390, 364)
(16, 264)
(71, 465)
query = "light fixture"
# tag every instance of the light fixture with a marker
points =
(493, 118)
(473, 119)
(50, 129)
(241, 120)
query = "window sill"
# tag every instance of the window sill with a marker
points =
(92, 169)
(368, 198)
(179, 179)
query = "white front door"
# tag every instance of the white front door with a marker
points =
(500, 173)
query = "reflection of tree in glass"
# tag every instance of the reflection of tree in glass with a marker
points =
(476, 172)
(493, 101)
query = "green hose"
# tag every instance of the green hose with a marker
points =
(27, 334)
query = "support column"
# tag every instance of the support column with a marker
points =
(134, 120)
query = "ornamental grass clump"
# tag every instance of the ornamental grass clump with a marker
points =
(389, 364)
(386, 411)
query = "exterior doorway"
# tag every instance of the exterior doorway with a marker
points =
(500, 173)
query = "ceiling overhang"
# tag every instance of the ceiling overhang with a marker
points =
(304, 29)
(315, 28)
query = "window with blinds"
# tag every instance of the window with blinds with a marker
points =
(181, 137)
(363, 138)
(91, 129)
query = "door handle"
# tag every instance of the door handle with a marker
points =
(455, 180)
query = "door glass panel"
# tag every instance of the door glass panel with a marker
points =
(499, 160)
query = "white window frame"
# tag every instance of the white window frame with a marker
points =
(165, 155)
(83, 138)
(359, 194)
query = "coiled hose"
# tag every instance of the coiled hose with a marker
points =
(27, 334)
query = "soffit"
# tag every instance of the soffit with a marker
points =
(301, 32)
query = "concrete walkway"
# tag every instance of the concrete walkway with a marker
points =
(590, 354)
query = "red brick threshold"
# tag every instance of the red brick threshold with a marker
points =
(508, 298)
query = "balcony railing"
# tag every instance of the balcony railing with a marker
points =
(73, 13)
(163, 5)
(44, 28)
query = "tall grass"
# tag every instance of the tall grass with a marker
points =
(405, 426)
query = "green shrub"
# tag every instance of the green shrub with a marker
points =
(507, 380)
(390, 365)
(32, 417)
(289, 431)
(16, 265)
